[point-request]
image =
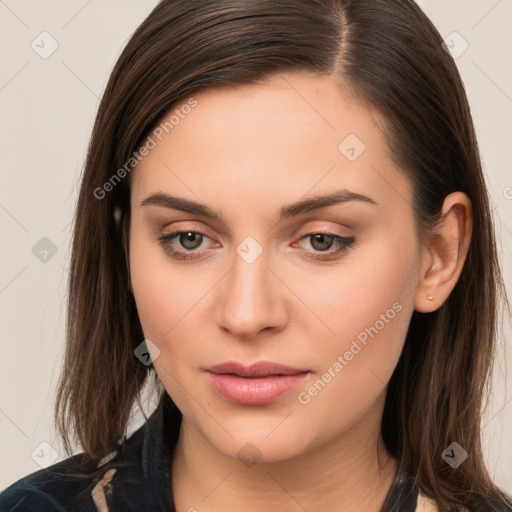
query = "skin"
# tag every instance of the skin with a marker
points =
(245, 152)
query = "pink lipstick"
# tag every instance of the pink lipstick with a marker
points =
(257, 384)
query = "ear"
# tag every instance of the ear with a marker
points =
(444, 253)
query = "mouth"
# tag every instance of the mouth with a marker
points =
(257, 384)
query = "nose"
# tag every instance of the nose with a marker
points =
(250, 299)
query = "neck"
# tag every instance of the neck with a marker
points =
(350, 472)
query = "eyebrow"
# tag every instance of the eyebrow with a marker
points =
(291, 210)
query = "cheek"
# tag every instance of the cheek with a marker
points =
(367, 304)
(353, 295)
(163, 294)
(166, 313)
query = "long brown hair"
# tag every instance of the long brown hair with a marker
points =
(391, 57)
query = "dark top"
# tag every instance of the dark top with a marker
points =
(136, 476)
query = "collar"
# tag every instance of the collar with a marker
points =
(142, 464)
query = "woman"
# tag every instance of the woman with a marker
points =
(283, 214)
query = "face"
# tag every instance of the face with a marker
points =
(328, 290)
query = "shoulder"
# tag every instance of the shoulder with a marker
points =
(135, 475)
(61, 487)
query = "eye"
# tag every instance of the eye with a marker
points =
(188, 240)
(189, 244)
(322, 242)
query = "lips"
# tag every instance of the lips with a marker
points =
(257, 384)
(260, 369)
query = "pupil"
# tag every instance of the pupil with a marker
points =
(322, 238)
(189, 241)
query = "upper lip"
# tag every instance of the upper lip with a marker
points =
(259, 369)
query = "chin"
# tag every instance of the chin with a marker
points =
(251, 445)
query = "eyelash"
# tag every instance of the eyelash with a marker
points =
(344, 242)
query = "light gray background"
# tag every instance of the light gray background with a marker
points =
(47, 111)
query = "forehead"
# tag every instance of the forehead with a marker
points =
(292, 136)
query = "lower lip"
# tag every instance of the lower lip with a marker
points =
(254, 391)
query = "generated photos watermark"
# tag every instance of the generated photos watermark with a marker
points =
(169, 123)
(361, 341)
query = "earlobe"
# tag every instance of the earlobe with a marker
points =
(445, 253)
(425, 301)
